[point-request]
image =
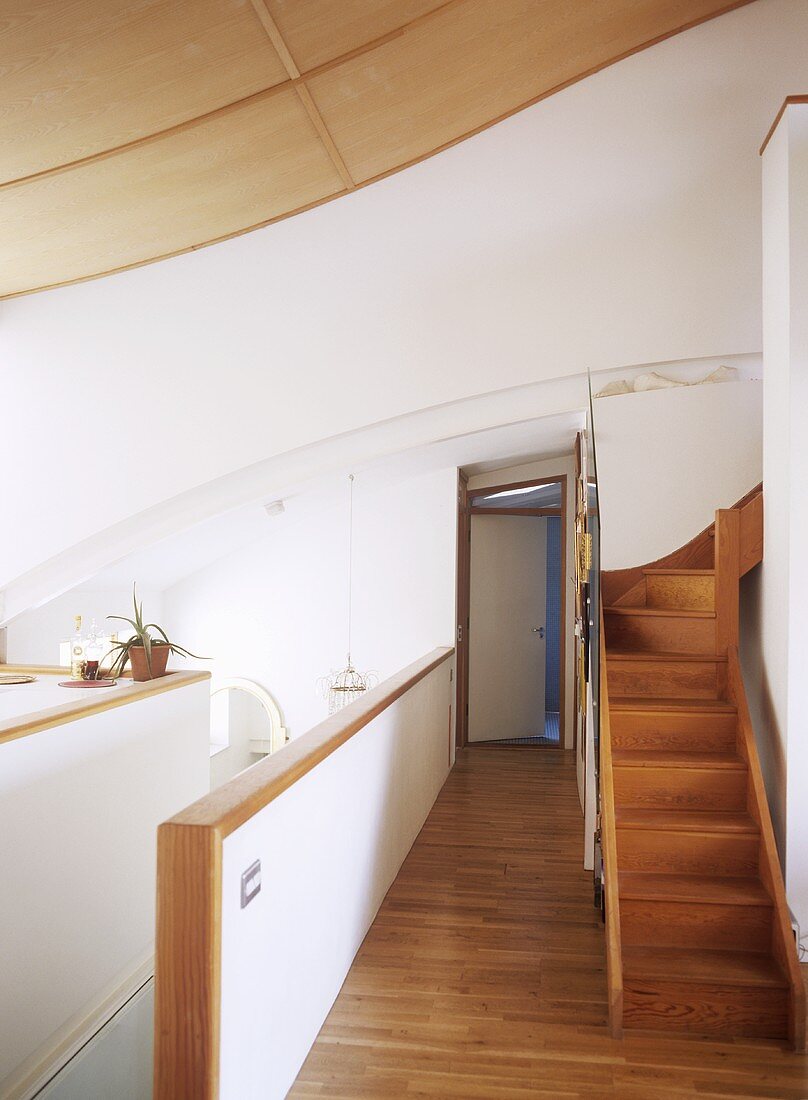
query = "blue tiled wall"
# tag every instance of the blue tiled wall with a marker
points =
(553, 613)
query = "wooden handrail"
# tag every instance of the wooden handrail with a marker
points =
(783, 946)
(237, 801)
(608, 835)
(189, 890)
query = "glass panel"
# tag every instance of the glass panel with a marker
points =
(530, 496)
(593, 622)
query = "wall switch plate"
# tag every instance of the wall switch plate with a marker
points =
(250, 883)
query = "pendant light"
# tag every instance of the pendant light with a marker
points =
(342, 687)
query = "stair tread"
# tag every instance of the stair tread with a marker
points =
(666, 758)
(674, 704)
(691, 821)
(679, 964)
(692, 888)
(656, 655)
(680, 572)
(660, 612)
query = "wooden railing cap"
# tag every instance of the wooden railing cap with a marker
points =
(228, 807)
(81, 704)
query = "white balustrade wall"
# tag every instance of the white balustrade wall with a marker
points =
(330, 847)
(79, 808)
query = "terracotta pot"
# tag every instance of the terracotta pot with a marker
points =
(159, 660)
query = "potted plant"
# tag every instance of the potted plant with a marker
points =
(147, 654)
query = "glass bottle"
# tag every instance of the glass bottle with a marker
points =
(77, 651)
(93, 651)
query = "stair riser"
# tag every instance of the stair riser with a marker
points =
(705, 1009)
(680, 788)
(662, 850)
(666, 679)
(680, 593)
(673, 732)
(661, 634)
(682, 924)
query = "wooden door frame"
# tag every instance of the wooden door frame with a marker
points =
(463, 602)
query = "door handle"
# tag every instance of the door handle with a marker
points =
(539, 630)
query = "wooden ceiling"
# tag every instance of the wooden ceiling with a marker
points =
(132, 130)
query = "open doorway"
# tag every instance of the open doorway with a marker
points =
(512, 612)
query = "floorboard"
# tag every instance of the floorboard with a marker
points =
(483, 975)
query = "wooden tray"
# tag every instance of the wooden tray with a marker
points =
(16, 678)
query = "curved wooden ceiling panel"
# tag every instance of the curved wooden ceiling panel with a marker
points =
(136, 129)
(122, 210)
(82, 77)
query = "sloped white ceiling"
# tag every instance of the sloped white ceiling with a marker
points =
(615, 223)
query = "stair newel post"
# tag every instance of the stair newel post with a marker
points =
(727, 577)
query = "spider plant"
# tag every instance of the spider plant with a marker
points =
(143, 639)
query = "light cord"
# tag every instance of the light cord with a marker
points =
(350, 563)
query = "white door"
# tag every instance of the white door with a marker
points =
(506, 627)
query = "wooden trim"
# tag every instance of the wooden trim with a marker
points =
(303, 93)
(681, 572)
(301, 80)
(464, 589)
(532, 482)
(562, 649)
(751, 534)
(83, 707)
(306, 98)
(546, 513)
(463, 611)
(658, 613)
(35, 670)
(275, 37)
(608, 834)
(230, 806)
(787, 102)
(783, 944)
(562, 479)
(727, 576)
(187, 980)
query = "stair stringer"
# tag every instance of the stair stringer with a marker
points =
(735, 541)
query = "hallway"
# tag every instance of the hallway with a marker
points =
(483, 973)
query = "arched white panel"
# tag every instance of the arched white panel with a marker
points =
(278, 735)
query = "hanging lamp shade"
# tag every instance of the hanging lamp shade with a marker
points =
(342, 686)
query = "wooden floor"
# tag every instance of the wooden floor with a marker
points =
(483, 974)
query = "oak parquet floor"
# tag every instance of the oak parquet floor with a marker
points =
(483, 975)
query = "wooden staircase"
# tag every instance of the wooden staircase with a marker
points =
(698, 931)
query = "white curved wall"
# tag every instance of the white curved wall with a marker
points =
(617, 222)
(667, 459)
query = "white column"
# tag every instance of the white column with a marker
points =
(784, 582)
